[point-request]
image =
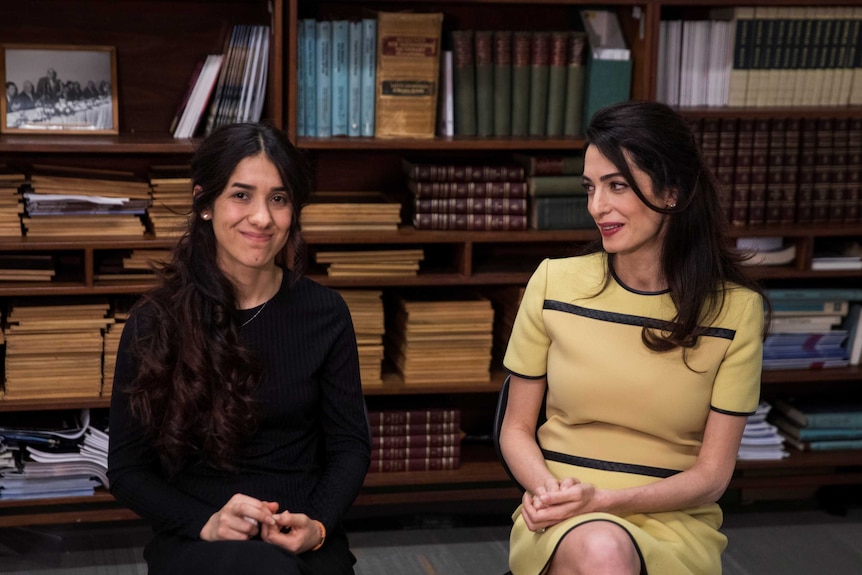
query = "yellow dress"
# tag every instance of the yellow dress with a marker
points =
(620, 415)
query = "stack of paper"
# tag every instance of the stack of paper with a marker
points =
(350, 211)
(366, 310)
(373, 263)
(136, 265)
(55, 351)
(171, 191)
(444, 341)
(761, 440)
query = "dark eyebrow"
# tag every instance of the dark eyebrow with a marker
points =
(249, 187)
(606, 177)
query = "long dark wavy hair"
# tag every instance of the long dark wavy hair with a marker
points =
(193, 391)
(697, 259)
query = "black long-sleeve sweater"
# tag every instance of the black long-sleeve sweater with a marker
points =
(312, 449)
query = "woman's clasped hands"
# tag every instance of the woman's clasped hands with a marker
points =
(556, 501)
(244, 517)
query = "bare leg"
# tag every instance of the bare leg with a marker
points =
(596, 548)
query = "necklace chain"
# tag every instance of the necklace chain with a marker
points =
(257, 313)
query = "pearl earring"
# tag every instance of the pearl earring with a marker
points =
(205, 215)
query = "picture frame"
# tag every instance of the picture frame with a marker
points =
(59, 89)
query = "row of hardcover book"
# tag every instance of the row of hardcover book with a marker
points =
(785, 170)
(763, 56)
(415, 439)
(521, 83)
(336, 75)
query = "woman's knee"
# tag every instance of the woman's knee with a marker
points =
(596, 547)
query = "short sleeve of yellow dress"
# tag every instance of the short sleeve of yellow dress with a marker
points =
(620, 415)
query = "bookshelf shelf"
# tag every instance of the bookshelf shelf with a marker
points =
(162, 47)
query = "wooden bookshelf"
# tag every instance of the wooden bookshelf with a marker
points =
(158, 44)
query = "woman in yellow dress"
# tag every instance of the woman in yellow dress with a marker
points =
(648, 353)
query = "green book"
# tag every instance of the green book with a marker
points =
(483, 40)
(540, 48)
(502, 60)
(520, 83)
(556, 84)
(555, 185)
(464, 81)
(573, 121)
(560, 213)
(609, 62)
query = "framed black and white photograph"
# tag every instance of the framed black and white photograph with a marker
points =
(59, 89)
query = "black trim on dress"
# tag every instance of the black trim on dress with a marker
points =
(608, 465)
(628, 319)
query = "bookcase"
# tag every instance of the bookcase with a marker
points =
(158, 43)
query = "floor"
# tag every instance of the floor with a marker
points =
(762, 542)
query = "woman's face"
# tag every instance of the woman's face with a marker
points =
(626, 224)
(251, 218)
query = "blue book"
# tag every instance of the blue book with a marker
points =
(820, 413)
(369, 76)
(301, 96)
(787, 427)
(354, 79)
(340, 35)
(307, 52)
(817, 294)
(323, 86)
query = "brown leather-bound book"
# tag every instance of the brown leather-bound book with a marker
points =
(838, 186)
(462, 172)
(726, 163)
(403, 429)
(415, 440)
(807, 160)
(742, 171)
(468, 189)
(418, 464)
(759, 163)
(501, 206)
(430, 451)
(775, 171)
(790, 178)
(854, 171)
(823, 169)
(469, 222)
(431, 415)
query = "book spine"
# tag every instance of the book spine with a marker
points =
(790, 176)
(438, 415)
(463, 172)
(469, 222)
(340, 77)
(556, 185)
(301, 87)
(483, 41)
(354, 79)
(724, 172)
(502, 62)
(775, 171)
(309, 71)
(759, 162)
(742, 172)
(497, 206)
(551, 165)
(323, 80)
(464, 76)
(854, 172)
(807, 163)
(446, 102)
(823, 170)
(738, 83)
(573, 115)
(560, 213)
(415, 441)
(558, 50)
(540, 53)
(429, 452)
(428, 464)
(521, 41)
(838, 188)
(422, 429)
(443, 190)
(369, 76)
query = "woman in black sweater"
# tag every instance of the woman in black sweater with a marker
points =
(238, 427)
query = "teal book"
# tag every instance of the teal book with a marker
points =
(483, 45)
(609, 62)
(340, 79)
(815, 433)
(369, 76)
(464, 80)
(308, 52)
(557, 84)
(820, 413)
(540, 52)
(354, 78)
(501, 58)
(323, 86)
(520, 83)
(556, 185)
(301, 89)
